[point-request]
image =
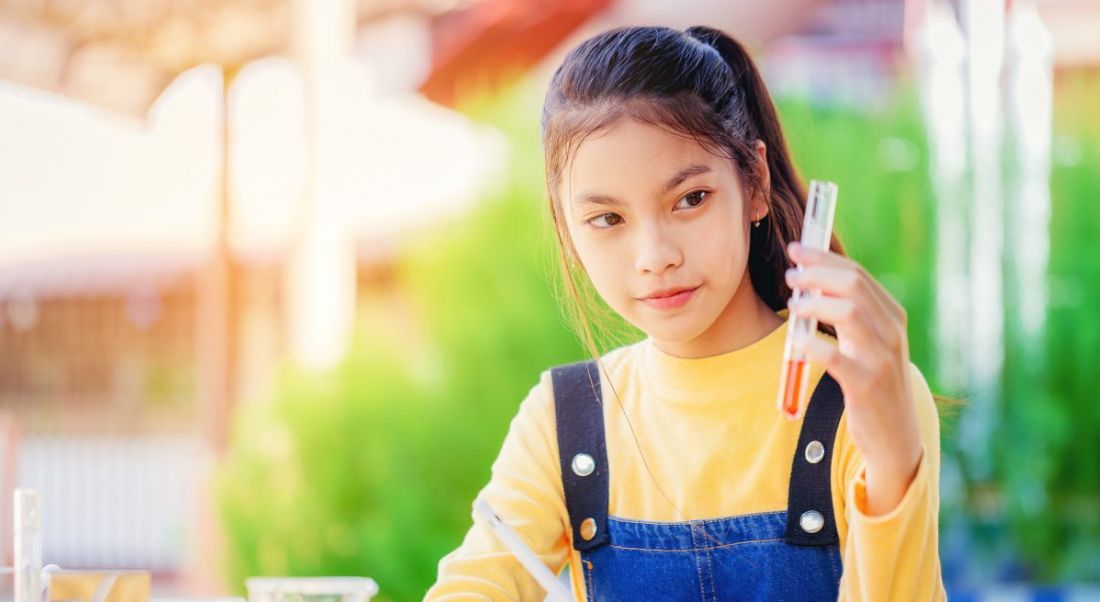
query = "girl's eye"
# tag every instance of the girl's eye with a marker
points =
(615, 218)
(603, 216)
(695, 194)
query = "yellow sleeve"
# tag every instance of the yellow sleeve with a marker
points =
(525, 490)
(894, 556)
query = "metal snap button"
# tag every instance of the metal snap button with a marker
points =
(811, 521)
(588, 529)
(583, 465)
(815, 451)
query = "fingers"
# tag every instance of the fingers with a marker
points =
(807, 256)
(841, 312)
(838, 276)
(844, 302)
(818, 351)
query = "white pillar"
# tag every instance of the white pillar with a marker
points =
(1030, 98)
(941, 53)
(983, 22)
(321, 276)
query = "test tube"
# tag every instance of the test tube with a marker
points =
(817, 231)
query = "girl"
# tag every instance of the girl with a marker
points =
(673, 194)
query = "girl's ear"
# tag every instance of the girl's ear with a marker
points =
(760, 202)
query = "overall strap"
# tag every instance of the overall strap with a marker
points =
(810, 520)
(582, 450)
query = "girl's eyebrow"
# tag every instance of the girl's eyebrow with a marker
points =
(676, 179)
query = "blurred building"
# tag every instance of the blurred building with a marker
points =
(145, 241)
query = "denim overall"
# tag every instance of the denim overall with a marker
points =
(790, 554)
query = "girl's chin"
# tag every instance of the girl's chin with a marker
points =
(672, 331)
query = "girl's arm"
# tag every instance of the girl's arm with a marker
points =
(526, 491)
(889, 435)
(892, 555)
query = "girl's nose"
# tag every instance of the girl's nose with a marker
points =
(657, 251)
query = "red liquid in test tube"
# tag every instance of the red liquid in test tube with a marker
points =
(792, 385)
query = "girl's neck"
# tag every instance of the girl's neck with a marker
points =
(745, 320)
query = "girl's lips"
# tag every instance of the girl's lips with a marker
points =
(672, 301)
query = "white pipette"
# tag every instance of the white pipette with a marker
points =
(554, 589)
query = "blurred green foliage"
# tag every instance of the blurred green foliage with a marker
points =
(1047, 441)
(371, 469)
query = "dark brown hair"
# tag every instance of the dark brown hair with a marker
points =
(699, 83)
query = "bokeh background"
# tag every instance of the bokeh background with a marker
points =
(275, 274)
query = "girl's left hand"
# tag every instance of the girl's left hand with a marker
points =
(870, 363)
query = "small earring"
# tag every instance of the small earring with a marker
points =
(756, 224)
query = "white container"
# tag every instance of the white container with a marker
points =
(310, 589)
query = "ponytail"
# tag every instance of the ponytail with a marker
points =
(787, 193)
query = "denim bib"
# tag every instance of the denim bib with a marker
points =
(790, 554)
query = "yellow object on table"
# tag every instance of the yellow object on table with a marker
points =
(99, 586)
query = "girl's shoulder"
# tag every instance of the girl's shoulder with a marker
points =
(535, 420)
(610, 363)
(616, 364)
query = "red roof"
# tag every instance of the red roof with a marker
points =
(490, 42)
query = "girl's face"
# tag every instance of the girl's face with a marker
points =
(647, 211)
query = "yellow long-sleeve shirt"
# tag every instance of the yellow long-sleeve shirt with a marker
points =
(709, 431)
